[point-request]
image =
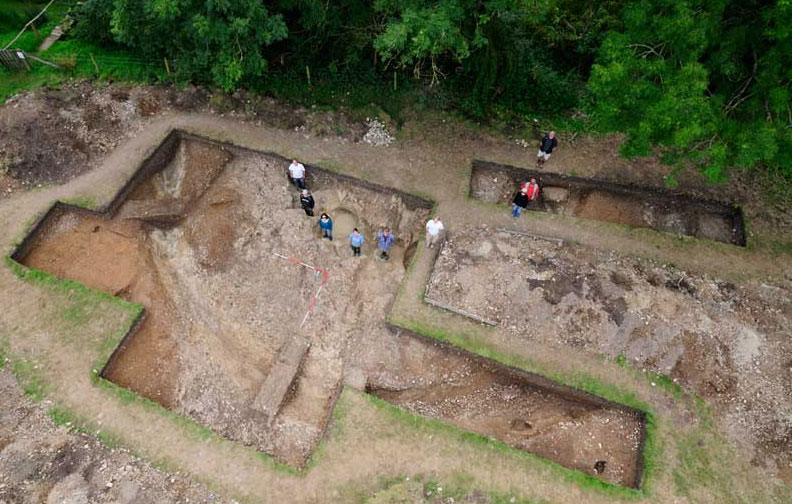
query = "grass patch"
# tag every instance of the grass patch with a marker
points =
(79, 59)
(82, 201)
(710, 469)
(425, 488)
(26, 371)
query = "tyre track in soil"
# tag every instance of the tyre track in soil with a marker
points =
(355, 454)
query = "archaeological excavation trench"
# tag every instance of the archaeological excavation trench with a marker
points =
(623, 204)
(209, 238)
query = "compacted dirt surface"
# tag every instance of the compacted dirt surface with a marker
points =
(730, 344)
(221, 342)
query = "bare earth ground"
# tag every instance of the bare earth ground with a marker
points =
(40, 462)
(367, 443)
(729, 344)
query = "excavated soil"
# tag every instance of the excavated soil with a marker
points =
(728, 344)
(198, 242)
(623, 204)
(195, 244)
(526, 411)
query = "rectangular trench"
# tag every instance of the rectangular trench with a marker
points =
(524, 410)
(642, 207)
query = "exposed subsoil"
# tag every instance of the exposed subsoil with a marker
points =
(618, 203)
(594, 437)
(427, 152)
(220, 305)
(43, 463)
(729, 344)
(195, 245)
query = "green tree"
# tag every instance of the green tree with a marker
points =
(220, 41)
(705, 80)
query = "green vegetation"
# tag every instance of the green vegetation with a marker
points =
(702, 473)
(82, 201)
(701, 80)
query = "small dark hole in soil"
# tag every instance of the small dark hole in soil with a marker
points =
(599, 466)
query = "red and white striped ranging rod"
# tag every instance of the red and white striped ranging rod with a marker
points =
(319, 271)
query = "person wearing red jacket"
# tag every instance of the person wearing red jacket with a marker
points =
(531, 189)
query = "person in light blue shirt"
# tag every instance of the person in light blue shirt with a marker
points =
(326, 225)
(356, 241)
(384, 242)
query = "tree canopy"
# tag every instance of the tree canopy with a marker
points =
(702, 80)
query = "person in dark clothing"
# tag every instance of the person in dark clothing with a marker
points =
(520, 202)
(307, 202)
(549, 142)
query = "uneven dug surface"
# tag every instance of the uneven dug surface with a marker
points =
(217, 253)
(729, 344)
(563, 425)
(220, 305)
(611, 202)
(43, 463)
(369, 444)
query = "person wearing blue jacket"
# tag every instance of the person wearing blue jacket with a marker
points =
(384, 242)
(356, 241)
(326, 225)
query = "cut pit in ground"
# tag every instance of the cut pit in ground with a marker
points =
(524, 410)
(195, 242)
(194, 237)
(623, 204)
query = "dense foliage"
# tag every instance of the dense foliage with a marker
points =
(706, 80)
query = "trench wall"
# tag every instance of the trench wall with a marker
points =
(688, 214)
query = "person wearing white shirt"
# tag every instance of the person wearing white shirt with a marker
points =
(433, 229)
(297, 174)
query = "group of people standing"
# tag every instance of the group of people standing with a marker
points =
(385, 238)
(529, 191)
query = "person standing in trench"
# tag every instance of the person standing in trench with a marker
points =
(356, 240)
(307, 202)
(326, 225)
(520, 202)
(297, 174)
(384, 243)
